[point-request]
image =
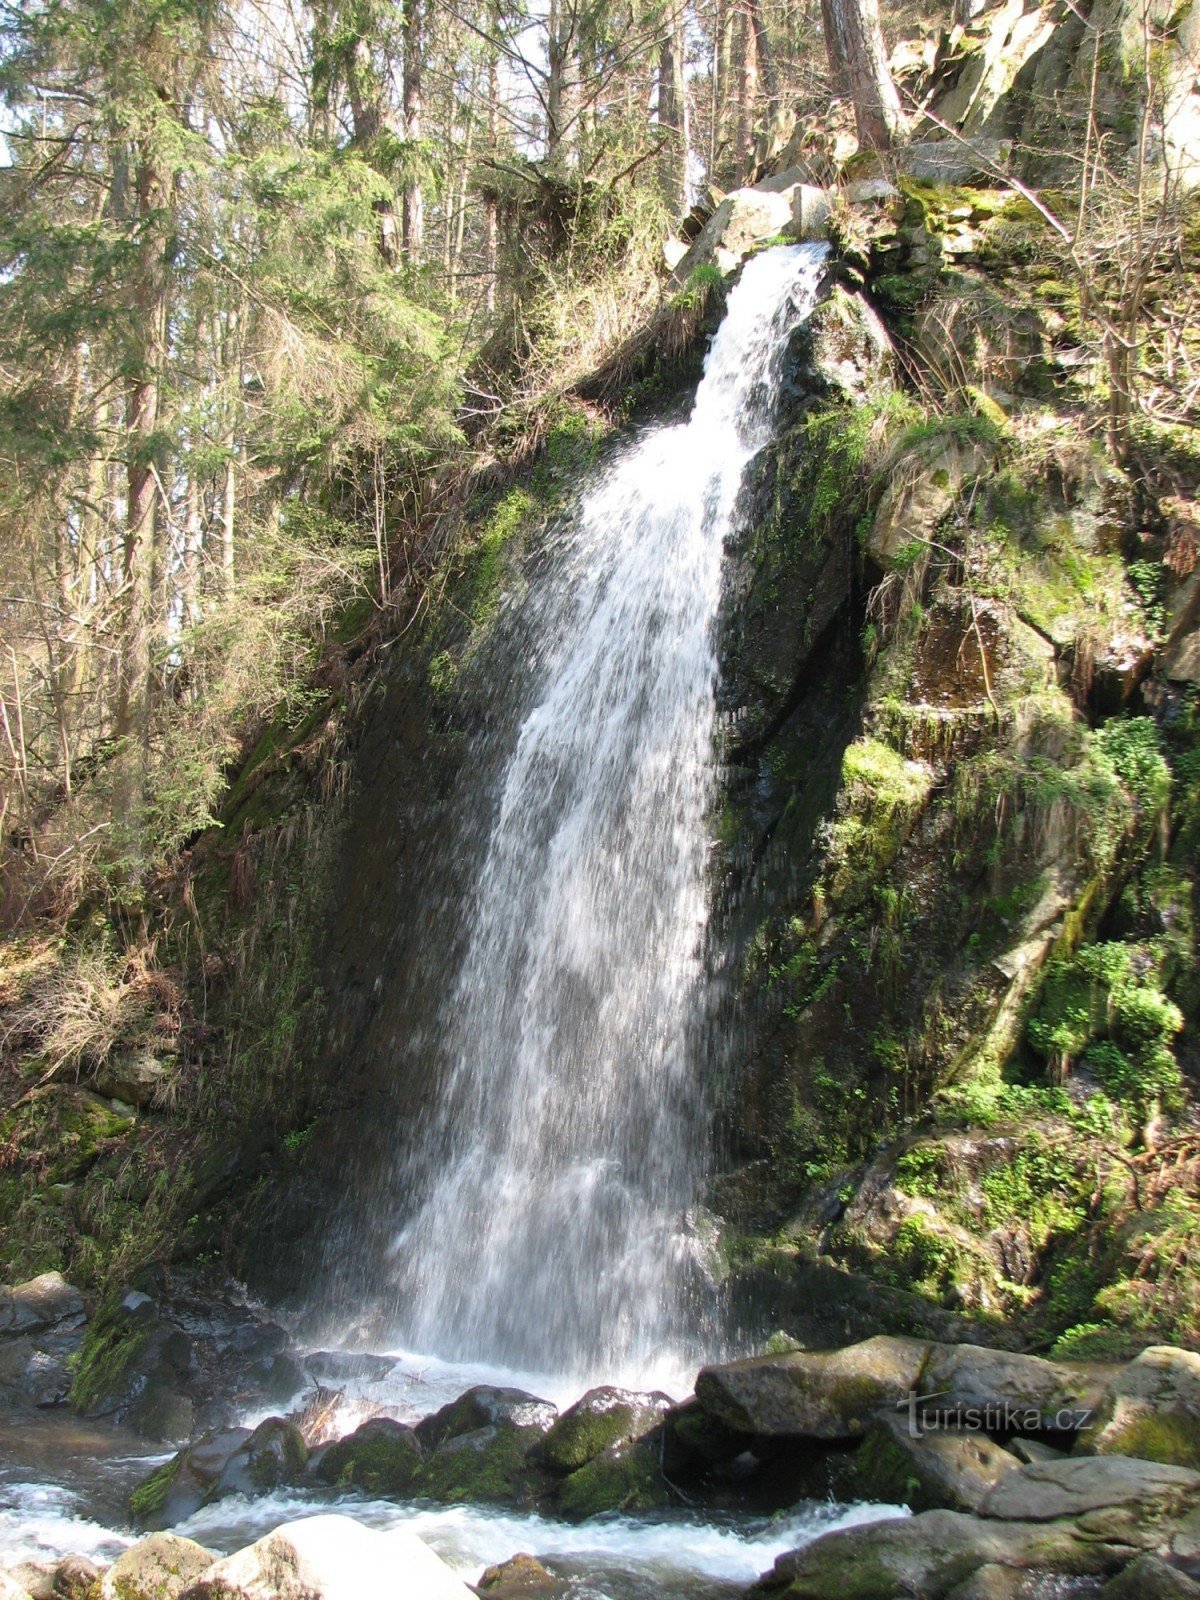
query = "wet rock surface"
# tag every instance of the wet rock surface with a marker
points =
(41, 1330)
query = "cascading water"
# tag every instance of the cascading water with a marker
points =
(568, 1133)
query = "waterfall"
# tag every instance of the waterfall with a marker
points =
(550, 1229)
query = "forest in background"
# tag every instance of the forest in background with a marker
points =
(265, 266)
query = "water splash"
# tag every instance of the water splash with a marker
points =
(553, 1177)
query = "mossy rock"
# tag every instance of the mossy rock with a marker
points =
(118, 1338)
(489, 1465)
(937, 1470)
(381, 1457)
(603, 1417)
(623, 1478)
(157, 1568)
(150, 1497)
(1151, 1410)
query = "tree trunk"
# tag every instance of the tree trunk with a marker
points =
(672, 112)
(858, 62)
(140, 564)
(556, 66)
(414, 200)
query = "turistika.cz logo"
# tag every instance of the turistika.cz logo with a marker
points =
(992, 1416)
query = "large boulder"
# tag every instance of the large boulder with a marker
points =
(948, 1470)
(489, 1464)
(1151, 1409)
(625, 1477)
(41, 1329)
(157, 1568)
(133, 1367)
(485, 1407)
(603, 1417)
(782, 204)
(520, 1576)
(826, 1394)
(1148, 1578)
(382, 1457)
(930, 1555)
(47, 1301)
(1012, 1393)
(186, 1482)
(275, 1453)
(330, 1558)
(1042, 1491)
(138, 1078)
(924, 487)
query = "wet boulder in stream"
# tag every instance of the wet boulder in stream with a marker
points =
(157, 1568)
(604, 1417)
(485, 1407)
(381, 1457)
(491, 1465)
(330, 1558)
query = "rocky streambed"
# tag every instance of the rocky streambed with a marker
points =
(892, 1467)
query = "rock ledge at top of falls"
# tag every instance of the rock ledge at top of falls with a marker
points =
(330, 1558)
(780, 206)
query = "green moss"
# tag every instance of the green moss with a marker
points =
(575, 1440)
(881, 796)
(487, 1466)
(150, 1496)
(624, 1479)
(111, 1348)
(1166, 1436)
(377, 1466)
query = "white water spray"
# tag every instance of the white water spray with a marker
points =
(569, 1134)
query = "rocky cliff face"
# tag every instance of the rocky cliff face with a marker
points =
(960, 823)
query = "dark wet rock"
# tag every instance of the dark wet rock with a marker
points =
(483, 1407)
(491, 1465)
(1150, 1409)
(1045, 1490)
(381, 1457)
(41, 1330)
(182, 1485)
(36, 1370)
(520, 1575)
(604, 1417)
(274, 1454)
(694, 1440)
(157, 1568)
(278, 1377)
(133, 1361)
(827, 1394)
(48, 1301)
(952, 1471)
(1148, 1578)
(626, 1477)
(332, 1367)
(170, 1358)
